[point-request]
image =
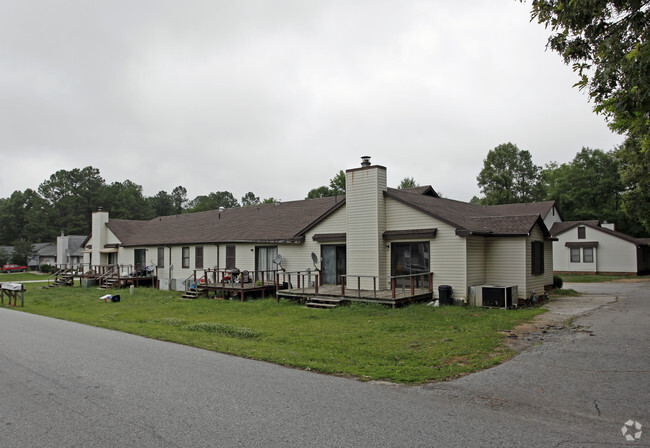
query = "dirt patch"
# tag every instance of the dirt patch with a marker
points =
(561, 310)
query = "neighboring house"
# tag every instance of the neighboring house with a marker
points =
(45, 253)
(589, 247)
(373, 231)
(69, 251)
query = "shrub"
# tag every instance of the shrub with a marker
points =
(557, 282)
(47, 269)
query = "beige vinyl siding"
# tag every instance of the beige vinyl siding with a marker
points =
(505, 263)
(534, 282)
(447, 250)
(476, 270)
(365, 218)
(298, 257)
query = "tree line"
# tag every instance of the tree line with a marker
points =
(591, 186)
(66, 201)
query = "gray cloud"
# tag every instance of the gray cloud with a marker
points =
(276, 97)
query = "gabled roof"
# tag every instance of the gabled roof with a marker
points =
(426, 190)
(561, 227)
(45, 249)
(268, 223)
(526, 208)
(75, 243)
(558, 229)
(473, 219)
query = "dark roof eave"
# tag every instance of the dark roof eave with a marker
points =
(410, 234)
(298, 240)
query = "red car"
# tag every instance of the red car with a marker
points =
(14, 268)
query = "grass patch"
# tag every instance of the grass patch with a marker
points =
(23, 276)
(591, 278)
(415, 344)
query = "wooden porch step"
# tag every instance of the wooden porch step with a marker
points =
(321, 305)
(325, 302)
(191, 294)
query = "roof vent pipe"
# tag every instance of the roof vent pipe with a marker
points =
(365, 161)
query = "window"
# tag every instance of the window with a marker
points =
(139, 257)
(186, 257)
(575, 255)
(588, 255)
(537, 254)
(161, 257)
(581, 233)
(198, 257)
(230, 257)
(409, 259)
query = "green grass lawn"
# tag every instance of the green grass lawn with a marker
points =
(22, 276)
(414, 344)
(591, 278)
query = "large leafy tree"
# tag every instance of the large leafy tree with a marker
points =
(589, 187)
(635, 174)
(25, 215)
(23, 251)
(336, 188)
(73, 196)
(407, 182)
(126, 201)
(250, 199)
(607, 43)
(509, 176)
(213, 201)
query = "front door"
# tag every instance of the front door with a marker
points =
(333, 264)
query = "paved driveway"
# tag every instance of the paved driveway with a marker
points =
(65, 385)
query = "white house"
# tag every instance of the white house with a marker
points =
(588, 247)
(374, 231)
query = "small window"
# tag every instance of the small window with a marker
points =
(161, 257)
(575, 255)
(588, 255)
(186, 257)
(581, 233)
(230, 257)
(537, 254)
(198, 257)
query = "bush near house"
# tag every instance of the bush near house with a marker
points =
(414, 344)
(47, 269)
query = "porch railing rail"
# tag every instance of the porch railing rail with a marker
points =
(303, 279)
(413, 281)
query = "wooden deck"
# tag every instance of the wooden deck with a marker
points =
(383, 296)
(237, 289)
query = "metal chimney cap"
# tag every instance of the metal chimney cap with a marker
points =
(365, 161)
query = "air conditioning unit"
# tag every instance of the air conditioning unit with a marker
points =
(493, 296)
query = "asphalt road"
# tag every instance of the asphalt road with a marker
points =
(68, 385)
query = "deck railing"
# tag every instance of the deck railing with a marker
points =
(303, 279)
(414, 282)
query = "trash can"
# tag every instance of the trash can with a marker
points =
(444, 295)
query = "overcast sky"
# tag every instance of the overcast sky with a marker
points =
(275, 97)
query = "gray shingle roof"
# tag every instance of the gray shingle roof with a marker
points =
(561, 227)
(473, 218)
(283, 222)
